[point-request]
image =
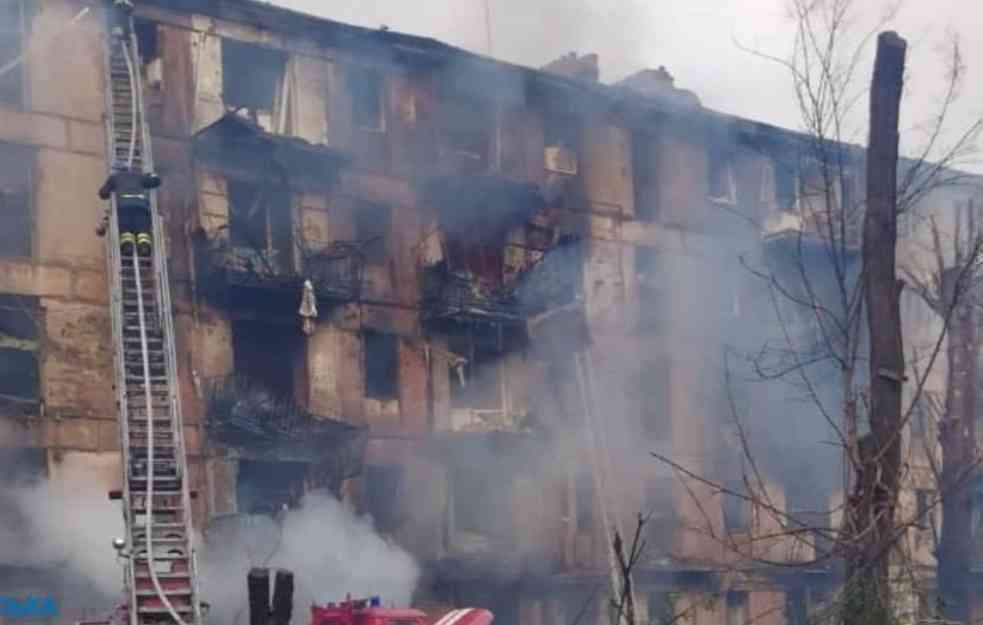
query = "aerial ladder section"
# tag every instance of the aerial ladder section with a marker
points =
(160, 576)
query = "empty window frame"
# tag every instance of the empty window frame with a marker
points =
(468, 132)
(16, 201)
(13, 20)
(148, 43)
(372, 224)
(269, 355)
(261, 221)
(20, 332)
(479, 385)
(721, 184)
(366, 86)
(252, 80)
(268, 487)
(381, 365)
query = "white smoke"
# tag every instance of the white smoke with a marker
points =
(65, 527)
(331, 552)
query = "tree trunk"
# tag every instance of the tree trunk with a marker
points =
(957, 435)
(874, 529)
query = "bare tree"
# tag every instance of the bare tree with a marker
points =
(951, 289)
(823, 299)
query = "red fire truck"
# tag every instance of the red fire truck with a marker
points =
(370, 612)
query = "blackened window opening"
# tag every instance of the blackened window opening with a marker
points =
(252, 78)
(16, 184)
(268, 487)
(269, 355)
(468, 132)
(372, 224)
(482, 385)
(381, 355)
(383, 490)
(366, 86)
(148, 41)
(260, 222)
(20, 331)
(12, 23)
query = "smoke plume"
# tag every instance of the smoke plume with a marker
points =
(58, 533)
(330, 550)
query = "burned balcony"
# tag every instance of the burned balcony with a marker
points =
(263, 427)
(231, 273)
(238, 145)
(257, 248)
(463, 296)
(475, 216)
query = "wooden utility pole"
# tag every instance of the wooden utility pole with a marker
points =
(874, 500)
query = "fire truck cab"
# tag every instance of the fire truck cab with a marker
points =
(370, 612)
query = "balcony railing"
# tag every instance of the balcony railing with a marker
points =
(462, 296)
(336, 272)
(242, 414)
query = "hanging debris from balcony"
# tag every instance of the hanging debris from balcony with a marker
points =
(308, 308)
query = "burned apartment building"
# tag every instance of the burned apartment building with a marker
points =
(465, 297)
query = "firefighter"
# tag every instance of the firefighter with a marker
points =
(119, 17)
(133, 207)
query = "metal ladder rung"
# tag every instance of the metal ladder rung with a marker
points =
(145, 575)
(170, 592)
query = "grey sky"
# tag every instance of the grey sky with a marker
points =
(694, 39)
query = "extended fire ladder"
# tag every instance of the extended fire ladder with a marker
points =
(160, 577)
